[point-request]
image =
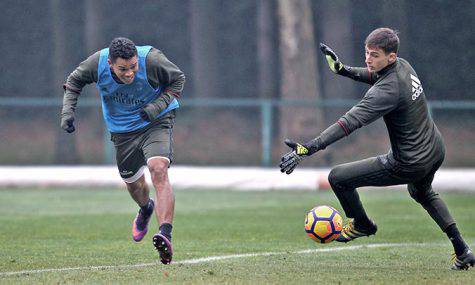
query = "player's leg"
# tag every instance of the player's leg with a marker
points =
(165, 208)
(130, 162)
(345, 178)
(158, 151)
(139, 192)
(422, 192)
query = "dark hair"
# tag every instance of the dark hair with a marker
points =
(383, 38)
(123, 48)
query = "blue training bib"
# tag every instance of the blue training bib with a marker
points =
(122, 103)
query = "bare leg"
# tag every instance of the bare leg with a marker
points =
(139, 191)
(165, 206)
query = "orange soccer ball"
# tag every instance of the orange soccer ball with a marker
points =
(323, 224)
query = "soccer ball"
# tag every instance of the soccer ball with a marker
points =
(323, 224)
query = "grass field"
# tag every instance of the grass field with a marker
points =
(83, 236)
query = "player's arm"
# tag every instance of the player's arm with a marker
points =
(376, 103)
(85, 73)
(299, 151)
(161, 72)
(360, 74)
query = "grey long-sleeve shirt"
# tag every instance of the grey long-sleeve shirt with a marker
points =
(160, 72)
(397, 96)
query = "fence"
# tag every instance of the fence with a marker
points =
(243, 128)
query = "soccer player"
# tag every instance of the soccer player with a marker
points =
(139, 88)
(417, 149)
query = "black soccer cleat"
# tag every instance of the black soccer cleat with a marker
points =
(350, 232)
(463, 261)
(164, 248)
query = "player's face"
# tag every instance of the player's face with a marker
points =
(376, 59)
(125, 69)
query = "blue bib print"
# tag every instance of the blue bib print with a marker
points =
(121, 103)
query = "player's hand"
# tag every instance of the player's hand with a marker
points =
(67, 123)
(150, 112)
(333, 62)
(291, 159)
(144, 115)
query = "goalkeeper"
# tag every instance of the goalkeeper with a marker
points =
(417, 148)
(139, 88)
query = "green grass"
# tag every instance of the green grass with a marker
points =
(56, 228)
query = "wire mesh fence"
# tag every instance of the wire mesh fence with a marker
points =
(237, 132)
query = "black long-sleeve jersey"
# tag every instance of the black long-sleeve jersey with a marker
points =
(160, 72)
(397, 96)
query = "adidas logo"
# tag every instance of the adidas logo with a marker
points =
(416, 87)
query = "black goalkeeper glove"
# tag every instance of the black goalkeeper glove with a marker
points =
(291, 159)
(67, 123)
(333, 62)
(144, 115)
(150, 112)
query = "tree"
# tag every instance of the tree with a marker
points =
(66, 152)
(204, 48)
(335, 23)
(299, 76)
(93, 32)
(266, 50)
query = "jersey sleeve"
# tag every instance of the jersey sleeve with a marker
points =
(163, 73)
(85, 73)
(330, 135)
(377, 102)
(361, 74)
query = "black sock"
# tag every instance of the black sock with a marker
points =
(166, 230)
(363, 222)
(456, 239)
(147, 209)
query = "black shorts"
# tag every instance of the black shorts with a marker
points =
(133, 150)
(378, 171)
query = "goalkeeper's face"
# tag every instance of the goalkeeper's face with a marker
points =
(376, 59)
(125, 69)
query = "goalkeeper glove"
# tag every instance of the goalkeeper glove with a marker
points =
(150, 112)
(291, 159)
(144, 115)
(333, 62)
(67, 123)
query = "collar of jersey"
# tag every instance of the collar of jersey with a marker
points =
(387, 69)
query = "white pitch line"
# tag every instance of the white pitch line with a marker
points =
(210, 258)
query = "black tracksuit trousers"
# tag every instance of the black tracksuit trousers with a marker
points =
(377, 171)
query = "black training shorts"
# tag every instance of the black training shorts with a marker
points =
(134, 149)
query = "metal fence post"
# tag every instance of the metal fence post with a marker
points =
(108, 153)
(266, 129)
(431, 111)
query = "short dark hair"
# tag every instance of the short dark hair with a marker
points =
(383, 38)
(123, 48)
